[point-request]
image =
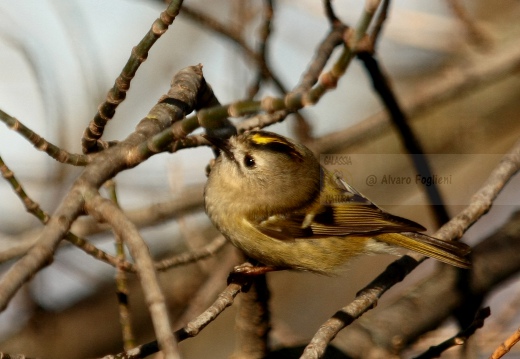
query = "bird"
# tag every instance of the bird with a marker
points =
(271, 198)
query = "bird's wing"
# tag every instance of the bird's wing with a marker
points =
(348, 213)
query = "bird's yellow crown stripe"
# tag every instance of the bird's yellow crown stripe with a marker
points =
(262, 139)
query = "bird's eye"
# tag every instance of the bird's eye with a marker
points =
(249, 161)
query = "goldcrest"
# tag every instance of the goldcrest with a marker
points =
(272, 199)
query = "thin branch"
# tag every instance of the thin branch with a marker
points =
(412, 144)
(105, 210)
(105, 165)
(378, 26)
(330, 13)
(476, 34)
(296, 100)
(228, 33)
(367, 298)
(189, 200)
(181, 259)
(447, 86)
(31, 206)
(117, 94)
(42, 144)
(209, 250)
(506, 346)
(224, 300)
(263, 48)
(460, 338)
(321, 56)
(211, 288)
(122, 290)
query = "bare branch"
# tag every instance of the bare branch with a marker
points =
(459, 339)
(447, 86)
(506, 346)
(253, 321)
(42, 144)
(185, 87)
(381, 85)
(117, 93)
(105, 210)
(476, 34)
(453, 230)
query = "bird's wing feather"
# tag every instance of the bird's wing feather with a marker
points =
(336, 220)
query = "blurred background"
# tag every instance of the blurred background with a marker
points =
(59, 58)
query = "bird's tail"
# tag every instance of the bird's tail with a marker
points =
(453, 253)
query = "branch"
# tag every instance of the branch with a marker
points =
(435, 298)
(42, 144)
(151, 214)
(105, 210)
(412, 144)
(447, 86)
(122, 291)
(367, 298)
(476, 34)
(117, 93)
(321, 56)
(506, 346)
(105, 165)
(252, 321)
(460, 338)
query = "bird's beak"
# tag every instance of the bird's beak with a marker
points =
(222, 144)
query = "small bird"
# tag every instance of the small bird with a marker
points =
(272, 199)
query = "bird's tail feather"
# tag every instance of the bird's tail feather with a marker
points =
(453, 253)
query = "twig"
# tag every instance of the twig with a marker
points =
(506, 346)
(378, 27)
(31, 206)
(105, 210)
(445, 87)
(476, 34)
(460, 338)
(293, 101)
(121, 281)
(228, 33)
(224, 300)
(104, 166)
(330, 13)
(117, 94)
(194, 255)
(321, 56)
(260, 57)
(495, 260)
(453, 230)
(408, 138)
(42, 144)
(190, 200)
(181, 259)
(211, 288)
(263, 48)
(35, 209)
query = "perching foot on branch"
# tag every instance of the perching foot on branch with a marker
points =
(243, 273)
